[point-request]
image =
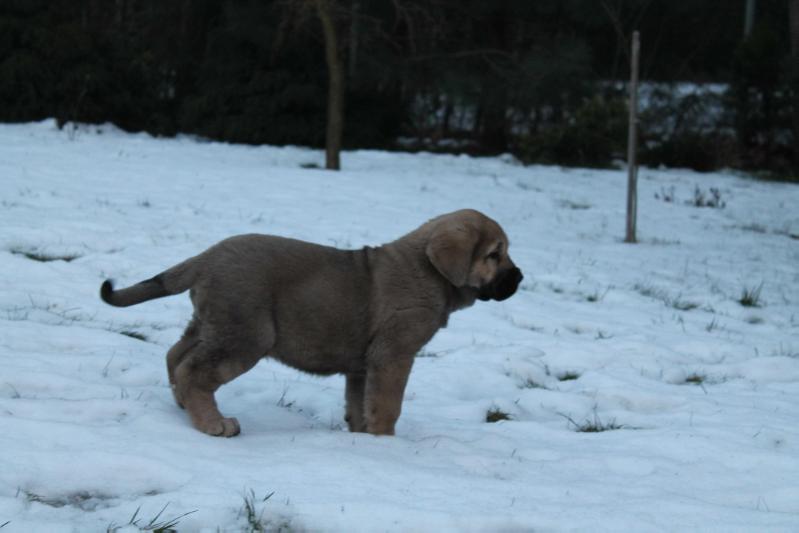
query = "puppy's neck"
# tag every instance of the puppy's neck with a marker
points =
(404, 264)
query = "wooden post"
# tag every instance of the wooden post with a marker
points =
(632, 142)
(335, 90)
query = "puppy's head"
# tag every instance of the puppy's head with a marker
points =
(471, 251)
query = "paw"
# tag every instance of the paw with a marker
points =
(223, 427)
(356, 428)
(380, 429)
(355, 424)
(380, 425)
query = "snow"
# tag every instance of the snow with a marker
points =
(703, 392)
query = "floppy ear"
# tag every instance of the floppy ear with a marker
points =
(450, 249)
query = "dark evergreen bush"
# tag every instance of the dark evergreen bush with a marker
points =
(477, 76)
(593, 136)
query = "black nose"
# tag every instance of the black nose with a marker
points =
(507, 284)
(513, 276)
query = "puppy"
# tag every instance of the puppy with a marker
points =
(363, 313)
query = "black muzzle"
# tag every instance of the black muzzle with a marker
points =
(503, 286)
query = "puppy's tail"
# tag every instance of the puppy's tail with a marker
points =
(175, 280)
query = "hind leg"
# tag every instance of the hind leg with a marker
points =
(196, 380)
(208, 365)
(178, 352)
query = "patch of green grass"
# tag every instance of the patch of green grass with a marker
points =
(39, 498)
(649, 291)
(281, 402)
(14, 392)
(786, 232)
(495, 414)
(710, 199)
(527, 187)
(786, 351)
(255, 518)
(134, 335)
(659, 294)
(596, 296)
(577, 206)
(154, 525)
(683, 305)
(754, 228)
(666, 195)
(700, 380)
(695, 379)
(34, 255)
(522, 325)
(80, 499)
(750, 297)
(601, 335)
(658, 241)
(65, 316)
(251, 514)
(530, 383)
(568, 376)
(594, 426)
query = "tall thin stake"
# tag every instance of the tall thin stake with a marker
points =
(632, 142)
(335, 88)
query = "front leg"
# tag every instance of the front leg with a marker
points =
(386, 378)
(354, 396)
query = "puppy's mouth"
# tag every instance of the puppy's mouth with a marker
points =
(502, 287)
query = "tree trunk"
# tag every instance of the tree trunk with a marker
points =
(335, 92)
(445, 120)
(494, 134)
(749, 17)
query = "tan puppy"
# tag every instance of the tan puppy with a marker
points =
(364, 313)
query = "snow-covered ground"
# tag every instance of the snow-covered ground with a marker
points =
(699, 394)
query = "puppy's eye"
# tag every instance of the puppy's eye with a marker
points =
(493, 255)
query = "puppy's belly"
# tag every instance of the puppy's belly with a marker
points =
(317, 362)
(319, 339)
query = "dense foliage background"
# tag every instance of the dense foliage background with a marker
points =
(542, 79)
